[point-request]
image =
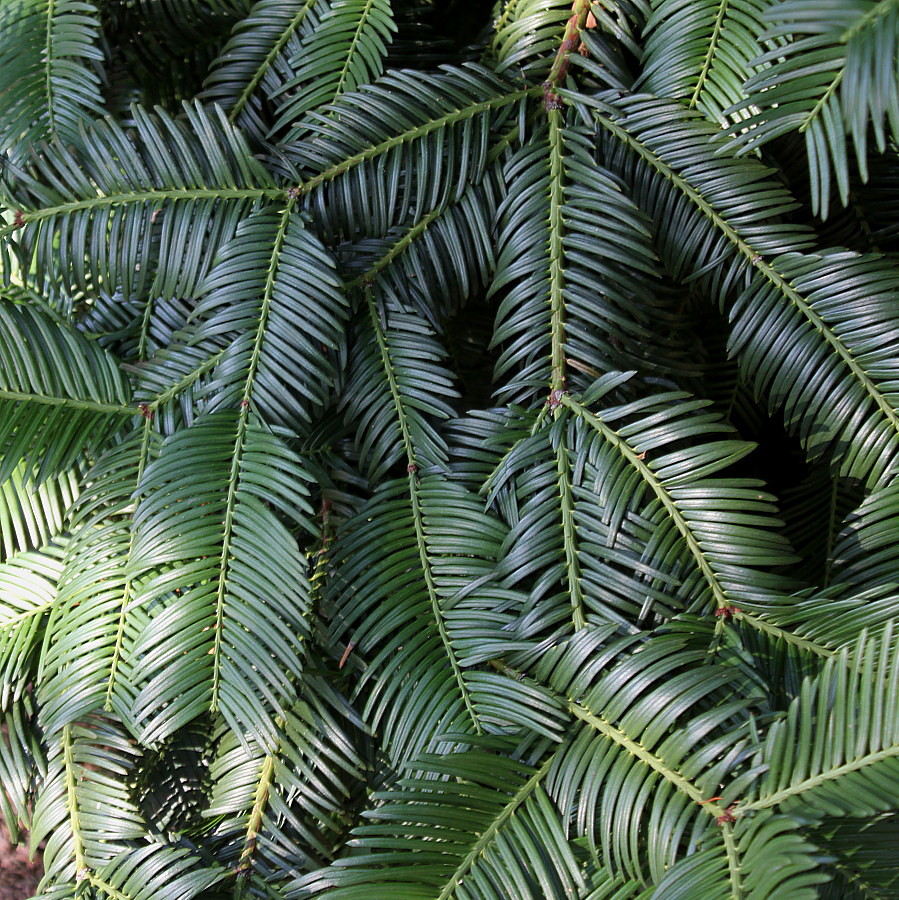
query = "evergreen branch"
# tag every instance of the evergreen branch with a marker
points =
(649, 478)
(417, 513)
(344, 73)
(762, 625)
(187, 380)
(221, 590)
(558, 381)
(82, 869)
(269, 60)
(494, 829)
(580, 9)
(711, 51)
(128, 588)
(812, 116)
(768, 269)
(396, 249)
(142, 197)
(569, 533)
(255, 823)
(411, 134)
(797, 789)
(237, 455)
(651, 760)
(69, 403)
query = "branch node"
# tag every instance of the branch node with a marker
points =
(554, 401)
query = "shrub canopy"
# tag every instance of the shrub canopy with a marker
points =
(450, 452)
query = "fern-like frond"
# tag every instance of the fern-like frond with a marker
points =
(275, 622)
(85, 664)
(49, 87)
(655, 738)
(213, 556)
(133, 329)
(273, 300)
(53, 412)
(779, 862)
(537, 37)
(524, 29)
(136, 212)
(173, 382)
(649, 736)
(93, 831)
(862, 574)
(85, 784)
(701, 53)
(799, 353)
(30, 516)
(413, 140)
(288, 809)
(837, 750)
(400, 603)
(148, 868)
(496, 834)
(834, 78)
(396, 387)
(345, 52)
(436, 263)
(644, 517)
(745, 257)
(28, 590)
(22, 764)
(255, 65)
(863, 554)
(722, 211)
(576, 272)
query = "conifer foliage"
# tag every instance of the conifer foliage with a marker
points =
(450, 451)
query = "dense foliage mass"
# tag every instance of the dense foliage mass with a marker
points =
(451, 452)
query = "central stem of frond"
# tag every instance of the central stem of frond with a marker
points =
(581, 18)
(556, 257)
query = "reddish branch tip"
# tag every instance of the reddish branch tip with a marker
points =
(145, 411)
(727, 816)
(727, 611)
(19, 220)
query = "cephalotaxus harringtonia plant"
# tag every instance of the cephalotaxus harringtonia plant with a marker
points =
(393, 399)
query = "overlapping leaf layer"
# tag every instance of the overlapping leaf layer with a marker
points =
(450, 459)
